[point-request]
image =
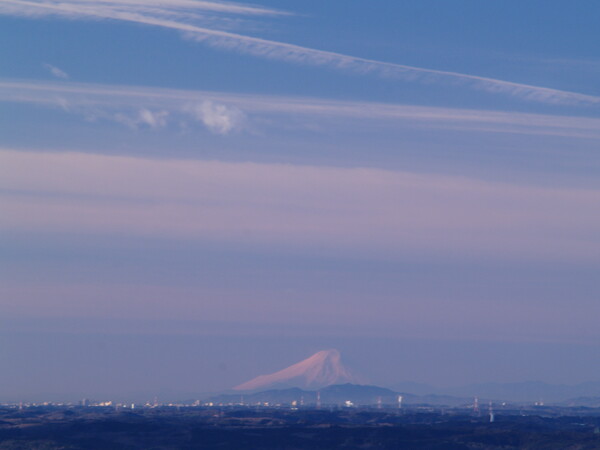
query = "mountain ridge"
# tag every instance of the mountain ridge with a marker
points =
(337, 394)
(522, 391)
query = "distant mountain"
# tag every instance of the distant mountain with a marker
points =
(528, 391)
(322, 369)
(589, 402)
(415, 388)
(337, 394)
(271, 396)
(358, 394)
(522, 392)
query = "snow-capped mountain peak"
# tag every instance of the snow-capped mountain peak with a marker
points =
(322, 369)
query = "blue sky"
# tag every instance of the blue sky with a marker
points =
(423, 171)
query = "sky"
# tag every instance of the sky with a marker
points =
(193, 193)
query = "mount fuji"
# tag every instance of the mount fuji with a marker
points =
(322, 369)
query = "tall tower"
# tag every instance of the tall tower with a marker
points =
(476, 406)
(399, 402)
(318, 399)
(491, 410)
(378, 402)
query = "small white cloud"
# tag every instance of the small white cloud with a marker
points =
(58, 73)
(220, 119)
(153, 119)
(63, 103)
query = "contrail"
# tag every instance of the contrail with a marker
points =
(156, 14)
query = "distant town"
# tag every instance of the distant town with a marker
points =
(104, 424)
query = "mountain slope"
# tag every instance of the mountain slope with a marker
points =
(322, 369)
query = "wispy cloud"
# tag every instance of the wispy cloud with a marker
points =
(160, 8)
(223, 113)
(346, 208)
(58, 73)
(211, 14)
(181, 15)
(215, 117)
(152, 119)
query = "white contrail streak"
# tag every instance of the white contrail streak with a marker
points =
(131, 11)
